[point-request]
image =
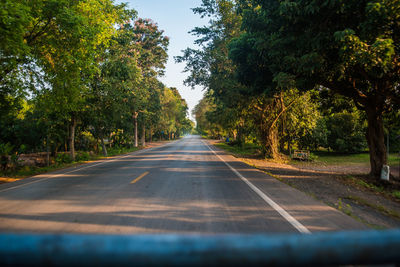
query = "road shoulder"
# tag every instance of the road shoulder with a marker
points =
(313, 214)
(369, 208)
(6, 182)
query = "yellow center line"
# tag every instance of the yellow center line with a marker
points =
(140, 177)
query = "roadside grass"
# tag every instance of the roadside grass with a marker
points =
(317, 157)
(333, 158)
(348, 210)
(27, 171)
(388, 190)
(119, 151)
(344, 207)
(396, 194)
(368, 185)
(247, 150)
(377, 207)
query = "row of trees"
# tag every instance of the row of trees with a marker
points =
(77, 73)
(300, 72)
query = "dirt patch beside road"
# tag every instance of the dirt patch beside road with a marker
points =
(336, 185)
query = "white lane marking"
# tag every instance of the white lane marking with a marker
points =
(296, 224)
(86, 167)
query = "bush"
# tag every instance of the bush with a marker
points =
(235, 143)
(82, 156)
(313, 157)
(5, 152)
(63, 158)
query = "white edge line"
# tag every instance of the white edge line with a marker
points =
(85, 167)
(296, 224)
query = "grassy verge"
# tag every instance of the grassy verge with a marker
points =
(27, 171)
(324, 157)
(332, 158)
(247, 149)
(376, 207)
(387, 189)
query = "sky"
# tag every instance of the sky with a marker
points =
(176, 18)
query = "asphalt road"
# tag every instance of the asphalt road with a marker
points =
(182, 187)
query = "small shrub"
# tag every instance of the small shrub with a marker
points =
(26, 169)
(22, 149)
(313, 157)
(344, 207)
(236, 143)
(63, 158)
(82, 156)
(5, 151)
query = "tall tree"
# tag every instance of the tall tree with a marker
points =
(349, 47)
(151, 46)
(64, 39)
(211, 68)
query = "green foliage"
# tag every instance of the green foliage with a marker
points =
(346, 132)
(335, 158)
(63, 158)
(173, 118)
(82, 156)
(248, 149)
(319, 135)
(344, 207)
(349, 47)
(5, 149)
(121, 150)
(299, 124)
(76, 72)
(396, 194)
(5, 152)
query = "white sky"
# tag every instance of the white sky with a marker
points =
(176, 18)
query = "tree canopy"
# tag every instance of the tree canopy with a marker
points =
(262, 50)
(82, 73)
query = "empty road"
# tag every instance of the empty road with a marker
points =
(184, 186)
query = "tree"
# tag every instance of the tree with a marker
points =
(111, 90)
(346, 132)
(80, 70)
(348, 47)
(63, 40)
(211, 68)
(173, 113)
(298, 124)
(151, 47)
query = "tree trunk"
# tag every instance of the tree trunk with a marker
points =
(103, 146)
(151, 135)
(47, 151)
(135, 115)
(96, 146)
(376, 140)
(282, 134)
(143, 136)
(72, 137)
(240, 134)
(270, 143)
(268, 129)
